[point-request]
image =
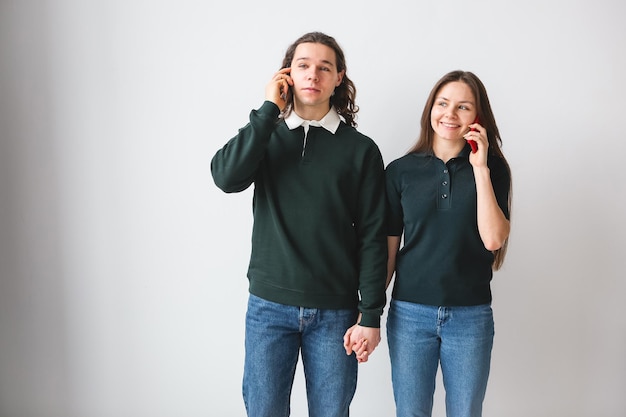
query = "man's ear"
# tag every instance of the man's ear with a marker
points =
(340, 78)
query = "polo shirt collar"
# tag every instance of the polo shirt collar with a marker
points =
(465, 152)
(329, 122)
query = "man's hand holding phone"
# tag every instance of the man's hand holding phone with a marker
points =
(278, 89)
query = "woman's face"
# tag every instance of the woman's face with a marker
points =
(453, 111)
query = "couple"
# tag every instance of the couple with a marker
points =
(326, 240)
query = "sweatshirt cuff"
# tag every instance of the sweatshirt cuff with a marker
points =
(269, 109)
(370, 320)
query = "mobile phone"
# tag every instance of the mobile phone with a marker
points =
(473, 143)
(284, 91)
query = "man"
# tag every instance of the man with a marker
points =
(319, 253)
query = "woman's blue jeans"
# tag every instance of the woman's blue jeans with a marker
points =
(275, 336)
(421, 338)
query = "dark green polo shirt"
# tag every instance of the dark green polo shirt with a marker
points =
(442, 261)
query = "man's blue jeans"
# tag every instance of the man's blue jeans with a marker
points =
(420, 338)
(275, 335)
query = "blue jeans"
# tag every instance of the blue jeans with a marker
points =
(422, 337)
(275, 336)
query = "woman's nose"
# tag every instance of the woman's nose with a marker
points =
(451, 113)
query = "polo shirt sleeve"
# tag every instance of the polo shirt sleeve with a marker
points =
(501, 182)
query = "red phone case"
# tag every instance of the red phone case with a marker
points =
(472, 143)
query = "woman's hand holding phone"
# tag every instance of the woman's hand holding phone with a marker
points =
(472, 142)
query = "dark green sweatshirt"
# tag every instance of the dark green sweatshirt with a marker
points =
(319, 238)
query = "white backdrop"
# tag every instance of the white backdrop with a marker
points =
(122, 266)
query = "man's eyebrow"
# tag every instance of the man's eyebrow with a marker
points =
(305, 58)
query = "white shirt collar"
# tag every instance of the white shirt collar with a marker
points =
(329, 122)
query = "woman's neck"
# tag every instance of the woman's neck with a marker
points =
(446, 150)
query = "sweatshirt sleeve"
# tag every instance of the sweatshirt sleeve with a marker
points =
(234, 166)
(372, 241)
(395, 214)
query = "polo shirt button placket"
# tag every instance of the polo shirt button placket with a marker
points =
(444, 190)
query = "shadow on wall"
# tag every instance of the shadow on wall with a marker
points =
(33, 348)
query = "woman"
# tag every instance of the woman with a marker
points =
(451, 205)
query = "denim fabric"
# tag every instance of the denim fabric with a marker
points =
(423, 337)
(275, 336)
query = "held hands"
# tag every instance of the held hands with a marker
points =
(277, 89)
(362, 341)
(478, 134)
